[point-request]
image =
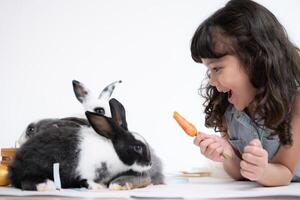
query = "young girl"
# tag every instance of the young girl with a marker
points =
(252, 96)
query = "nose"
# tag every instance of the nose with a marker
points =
(213, 82)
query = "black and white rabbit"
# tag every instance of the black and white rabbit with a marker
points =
(105, 154)
(100, 105)
(89, 102)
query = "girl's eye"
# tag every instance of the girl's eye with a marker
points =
(216, 69)
(212, 71)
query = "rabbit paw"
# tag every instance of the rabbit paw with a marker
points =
(120, 186)
(129, 182)
(46, 186)
(95, 186)
(123, 183)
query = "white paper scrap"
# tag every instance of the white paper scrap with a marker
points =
(56, 176)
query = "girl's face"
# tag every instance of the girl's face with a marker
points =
(228, 76)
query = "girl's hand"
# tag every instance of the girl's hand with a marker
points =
(254, 161)
(212, 146)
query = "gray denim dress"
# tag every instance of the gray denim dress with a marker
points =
(241, 130)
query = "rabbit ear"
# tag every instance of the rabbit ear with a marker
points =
(118, 113)
(108, 90)
(100, 124)
(80, 91)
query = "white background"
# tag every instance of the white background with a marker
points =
(45, 44)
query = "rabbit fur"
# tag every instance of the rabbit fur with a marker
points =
(90, 103)
(92, 157)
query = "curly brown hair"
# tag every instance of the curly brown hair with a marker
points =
(252, 33)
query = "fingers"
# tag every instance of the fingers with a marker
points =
(251, 158)
(200, 136)
(213, 146)
(210, 147)
(255, 154)
(254, 160)
(207, 146)
(255, 142)
(255, 148)
(248, 166)
(249, 175)
(250, 171)
(217, 154)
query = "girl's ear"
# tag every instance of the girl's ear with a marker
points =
(100, 124)
(81, 92)
(118, 113)
(108, 90)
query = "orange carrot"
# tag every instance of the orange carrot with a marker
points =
(188, 127)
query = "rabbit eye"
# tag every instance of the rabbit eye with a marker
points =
(30, 130)
(138, 149)
(99, 110)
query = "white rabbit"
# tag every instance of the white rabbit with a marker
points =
(90, 103)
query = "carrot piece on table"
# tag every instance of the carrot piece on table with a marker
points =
(188, 127)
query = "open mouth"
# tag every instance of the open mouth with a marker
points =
(229, 93)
